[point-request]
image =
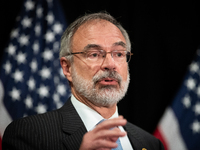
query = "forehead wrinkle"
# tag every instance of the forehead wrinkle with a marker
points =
(99, 47)
(120, 43)
(89, 46)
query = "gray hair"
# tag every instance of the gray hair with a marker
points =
(66, 39)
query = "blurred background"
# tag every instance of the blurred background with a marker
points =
(164, 36)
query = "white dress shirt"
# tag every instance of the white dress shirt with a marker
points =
(90, 119)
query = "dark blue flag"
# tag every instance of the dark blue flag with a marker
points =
(31, 79)
(180, 126)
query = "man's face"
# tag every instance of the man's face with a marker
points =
(105, 83)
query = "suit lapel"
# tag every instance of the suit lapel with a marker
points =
(72, 126)
(135, 139)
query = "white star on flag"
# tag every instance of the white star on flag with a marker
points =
(24, 40)
(14, 33)
(39, 12)
(47, 55)
(11, 49)
(36, 47)
(29, 5)
(190, 83)
(21, 58)
(196, 108)
(31, 84)
(57, 28)
(43, 91)
(29, 102)
(18, 76)
(37, 29)
(41, 108)
(49, 36)
(26, 22)
(195, 127)
(45, 73)
(7, 67)
(34, 65)
(50, 18)
(15, 94)
(194, 67)
(187, 101)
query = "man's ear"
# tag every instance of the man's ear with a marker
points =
(66, 67)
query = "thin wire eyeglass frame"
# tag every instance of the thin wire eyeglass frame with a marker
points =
(128, 53)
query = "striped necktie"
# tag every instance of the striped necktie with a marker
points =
(119, 147)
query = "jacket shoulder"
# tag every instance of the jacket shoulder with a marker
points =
(33, 132)
(40, 120)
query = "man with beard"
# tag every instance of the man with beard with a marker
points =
(94, 55)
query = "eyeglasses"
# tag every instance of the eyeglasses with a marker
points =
(97, 56)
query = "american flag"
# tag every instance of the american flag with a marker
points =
(31, 79)
(179, 128)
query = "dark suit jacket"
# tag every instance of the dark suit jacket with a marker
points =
(63, 129)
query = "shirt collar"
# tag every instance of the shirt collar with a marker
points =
(89, 116)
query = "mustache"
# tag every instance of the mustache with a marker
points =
(107, 74)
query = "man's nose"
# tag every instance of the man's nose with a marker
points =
(108, 62)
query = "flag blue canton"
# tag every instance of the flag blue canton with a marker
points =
(30, 70)
(187, 106)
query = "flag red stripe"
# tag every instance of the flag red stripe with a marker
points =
(158, 135)
(0, 144)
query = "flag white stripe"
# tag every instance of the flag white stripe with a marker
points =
(169, 129)
(5, 118)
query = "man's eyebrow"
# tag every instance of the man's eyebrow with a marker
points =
(120, 43)
(96, 46)
(89, 46)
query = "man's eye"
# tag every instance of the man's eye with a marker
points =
(119, 54)
(93, 55)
